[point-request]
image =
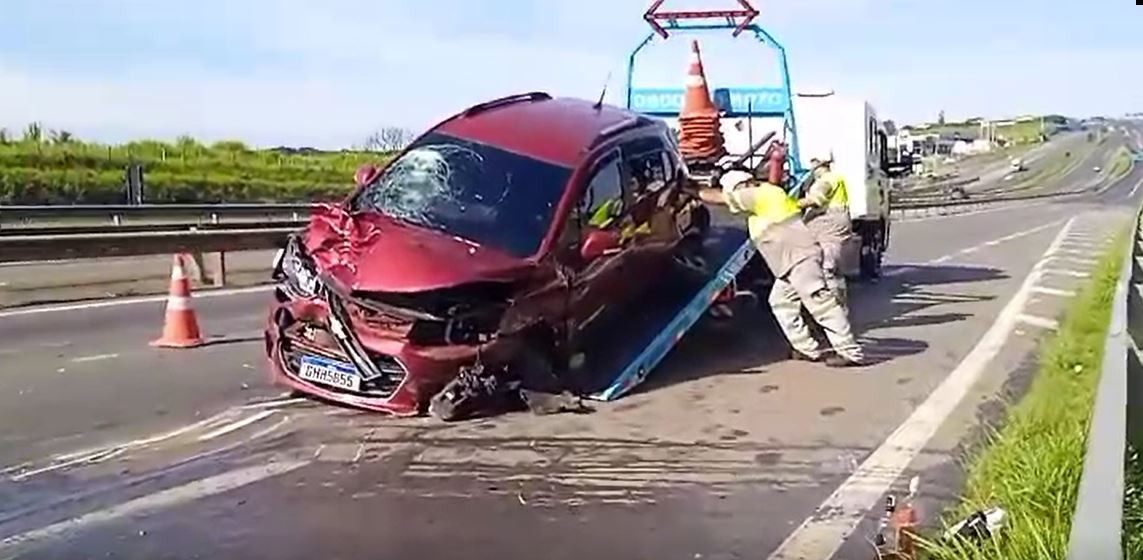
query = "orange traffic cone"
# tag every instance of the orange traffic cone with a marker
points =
(699, 134)
(180, 326)
(696, 100)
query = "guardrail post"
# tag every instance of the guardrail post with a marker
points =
(211, 268)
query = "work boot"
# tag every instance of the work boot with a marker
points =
(800, 357)
(839, 361)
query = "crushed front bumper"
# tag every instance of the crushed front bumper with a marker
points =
(399, 378)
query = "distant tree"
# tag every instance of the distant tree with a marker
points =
(34, 133)
(230, 146)
(61, 137)
(890, 127)
(941, 117)
(389, 139)
(5, 136)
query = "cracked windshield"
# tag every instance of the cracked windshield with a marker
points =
(475, 191)
(570, 279)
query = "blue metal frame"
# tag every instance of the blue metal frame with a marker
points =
(637, 371)
(797, 172)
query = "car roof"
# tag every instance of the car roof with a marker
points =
(559, 130)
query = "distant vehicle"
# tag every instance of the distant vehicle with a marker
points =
(1017, 166)
(1096, 169)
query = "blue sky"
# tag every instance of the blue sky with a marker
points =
(328, 72)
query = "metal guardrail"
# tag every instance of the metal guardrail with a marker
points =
(1097, 524)
(24, 216)
(30, 248)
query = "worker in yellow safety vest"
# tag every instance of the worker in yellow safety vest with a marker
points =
(795, 259)
(605, 215)
(826, 206)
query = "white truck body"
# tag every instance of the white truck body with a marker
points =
(846, 128)
(849, 131)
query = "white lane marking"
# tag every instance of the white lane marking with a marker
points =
(1072, 252)
(1074, 259)
(1066, 272)
(237, 425)
(78, 457)
(1053, 291)
(195, 490)
(1037, 321)
(1002, 207)
(85, 460)
(1134, 189)
(274, 403)
(823, 532)
(94, 358)
(130, 301)
(910, 268)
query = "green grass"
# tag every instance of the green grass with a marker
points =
(1121, 164)
(71, 171)
(1032, 466)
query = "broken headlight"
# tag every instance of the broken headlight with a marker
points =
(296, 271)
(466, 330)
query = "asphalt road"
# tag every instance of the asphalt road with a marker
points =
(110, 448)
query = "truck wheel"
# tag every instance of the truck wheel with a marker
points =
(872, 251)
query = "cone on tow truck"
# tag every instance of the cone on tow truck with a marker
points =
(699, 136)
(180, 324)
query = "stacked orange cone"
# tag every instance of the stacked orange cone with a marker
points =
(699, 137)
(180, 326)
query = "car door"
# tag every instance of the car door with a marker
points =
(596, 283)
(651, 223)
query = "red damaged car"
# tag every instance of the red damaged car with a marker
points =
(493, 243)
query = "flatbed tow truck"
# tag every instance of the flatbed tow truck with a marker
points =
(728, 252)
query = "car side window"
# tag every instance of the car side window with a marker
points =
(646, 160)
(602, 200)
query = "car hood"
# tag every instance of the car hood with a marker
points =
(373, 253)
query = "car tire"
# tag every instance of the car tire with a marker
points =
(700, 223)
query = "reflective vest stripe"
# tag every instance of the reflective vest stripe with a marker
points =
(840, 196)
(771, 205)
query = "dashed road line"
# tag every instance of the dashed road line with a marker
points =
(1066, 272)
(205, 294)
(236, 425)
(1037, 321)
(1023, 233)
(274, 403)
(1074, 259)
(1053, 291)
(195, 490)
(821, 534)
(95, 358)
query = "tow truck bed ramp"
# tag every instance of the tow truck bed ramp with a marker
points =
(656, 324)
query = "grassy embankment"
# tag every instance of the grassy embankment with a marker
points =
(66, 171)
(1121, 164)
(1032, 465)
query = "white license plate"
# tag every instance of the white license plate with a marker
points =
(329, 372)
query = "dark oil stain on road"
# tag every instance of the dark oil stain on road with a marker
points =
(768, 458)
(769, 389)
(831, 410)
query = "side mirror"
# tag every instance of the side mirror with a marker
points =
(597, 243)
